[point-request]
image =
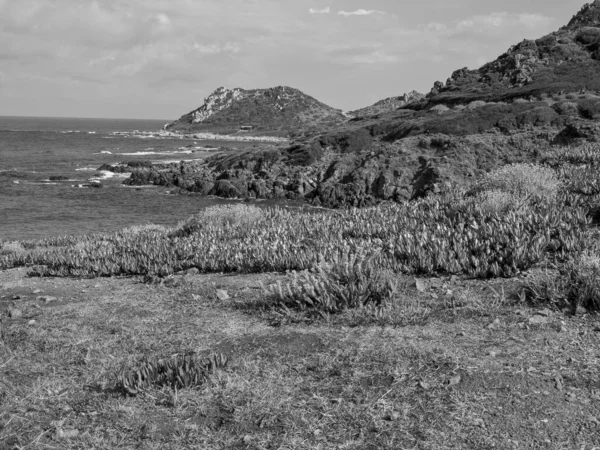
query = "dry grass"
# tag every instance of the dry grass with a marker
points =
(463, 370)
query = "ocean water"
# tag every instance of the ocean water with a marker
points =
(34, 149)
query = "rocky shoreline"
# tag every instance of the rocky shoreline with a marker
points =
(352, 169)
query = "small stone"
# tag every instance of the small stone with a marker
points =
(454, 380)
(493, 354)
(580, 311)
(449, 293)
(222, 295)
(494, 324)
(192, 271)
(38, 291)
(16, 297)
(66, 434)
(434, 296)
(453, 279)
(15, 313)
(538, 320)
(46, 298)
(419, 285)
(545, 312)
(391, 416)
(478, 422)
(31, 322)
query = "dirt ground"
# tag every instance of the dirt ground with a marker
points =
(472, 368)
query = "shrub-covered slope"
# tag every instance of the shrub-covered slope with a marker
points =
(278, 110)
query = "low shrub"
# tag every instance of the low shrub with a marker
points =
(523, 180)
(148, 228)
(335, 288)
(176, 373)
(11, 248)
(219, 216)
(576, 283)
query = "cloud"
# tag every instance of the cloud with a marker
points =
(326, 10)
(360, 12)
(498, 20)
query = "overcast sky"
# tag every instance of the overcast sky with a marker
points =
(160, 58)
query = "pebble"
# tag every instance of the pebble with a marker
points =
(16, 297)
(222, 295)
(419, 285)
(31, 322)
(46, 298)
(15, 313)
(538, 320)
(38, 291)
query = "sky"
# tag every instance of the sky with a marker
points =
(159, 59)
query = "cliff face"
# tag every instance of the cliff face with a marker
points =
(566, 60)
(278, 110)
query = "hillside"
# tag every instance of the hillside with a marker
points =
(539, 95)
(388, 104)
(279, 110)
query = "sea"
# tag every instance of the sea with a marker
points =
(33, 150)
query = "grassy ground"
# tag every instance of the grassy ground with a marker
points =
(471, 369)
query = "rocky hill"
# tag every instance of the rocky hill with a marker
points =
(538, 96)
(388, 104)
(279, 110)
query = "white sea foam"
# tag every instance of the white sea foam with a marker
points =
(186, 152)
(203, 136)
(104, 152)
(104, 175)
(86, 169)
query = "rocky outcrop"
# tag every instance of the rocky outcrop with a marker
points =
(388, 104)
(280, 110)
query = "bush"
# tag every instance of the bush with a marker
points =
(335, 288)
(148, 228)
(476, 104)
(493, 202)
(12, 248)
(219, 216)
(577, 283)
(566, 108)
(522, 180)
(439, 109)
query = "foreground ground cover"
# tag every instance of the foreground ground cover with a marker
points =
(486, 372)
(464, 320)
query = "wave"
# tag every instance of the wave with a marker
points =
(186, 152)
(104, 152)
(86, 169)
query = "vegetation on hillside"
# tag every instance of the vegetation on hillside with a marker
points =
(512, 219)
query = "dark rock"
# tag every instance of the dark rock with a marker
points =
(225, 189)
(58, 178)
(425, 179)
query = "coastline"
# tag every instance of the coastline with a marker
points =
(201, 136)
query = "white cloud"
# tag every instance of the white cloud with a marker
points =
(497, 20)
(326, 10)
(360, 12)
(535, 20)
(217, 48)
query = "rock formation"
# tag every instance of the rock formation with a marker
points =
(278, 110)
